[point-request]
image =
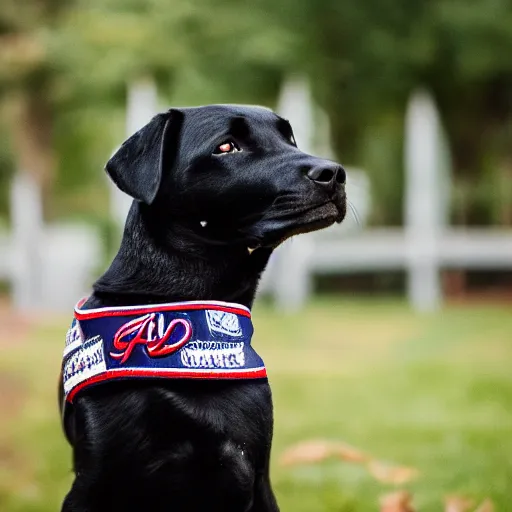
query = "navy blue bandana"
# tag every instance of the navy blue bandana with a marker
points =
(185, 340)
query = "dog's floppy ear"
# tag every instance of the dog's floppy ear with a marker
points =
(137, 166)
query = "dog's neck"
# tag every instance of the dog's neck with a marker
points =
(163, 261)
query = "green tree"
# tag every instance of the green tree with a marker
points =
(365, 59)
(27, 83)
(64, 70)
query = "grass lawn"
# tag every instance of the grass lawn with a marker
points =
(430, 392)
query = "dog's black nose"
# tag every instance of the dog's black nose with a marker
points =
(327, 174)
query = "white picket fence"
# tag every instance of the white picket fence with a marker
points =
(423, 248)
(66, 257)
(48, 267)
(289, 278)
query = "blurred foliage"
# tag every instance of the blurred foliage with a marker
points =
(6, 171)
(363, 59)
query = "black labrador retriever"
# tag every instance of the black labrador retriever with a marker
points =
(216, 189)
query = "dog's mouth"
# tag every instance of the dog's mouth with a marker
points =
(278, 225)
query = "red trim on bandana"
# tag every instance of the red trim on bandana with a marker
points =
(170, 373)
(125, 311)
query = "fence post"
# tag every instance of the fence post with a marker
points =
(423, 202)
(141, 105)
(292, 279)
(27, 226)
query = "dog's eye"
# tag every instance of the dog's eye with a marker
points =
(226, 147)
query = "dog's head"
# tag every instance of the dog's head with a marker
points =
(232, 173)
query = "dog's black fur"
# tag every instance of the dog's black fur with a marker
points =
(183, 445)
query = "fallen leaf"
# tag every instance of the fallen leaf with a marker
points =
(350, 454)
(390, 474)
(399, 501)
(457, 504)
(485, 506)
(308, 452)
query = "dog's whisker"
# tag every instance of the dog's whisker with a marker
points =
(354, 213)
